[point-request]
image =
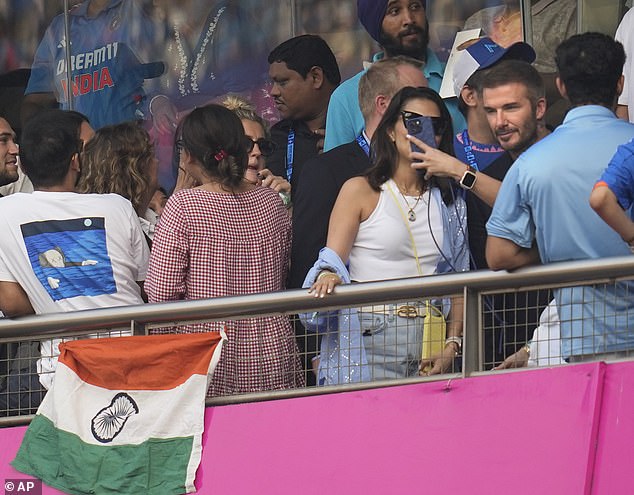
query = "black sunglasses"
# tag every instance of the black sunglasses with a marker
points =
(438, 123)
(267, 147)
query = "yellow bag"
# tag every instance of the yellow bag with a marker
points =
(434, 331)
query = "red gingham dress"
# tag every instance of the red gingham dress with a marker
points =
(210, 244)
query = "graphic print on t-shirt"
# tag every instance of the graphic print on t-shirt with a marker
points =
(70, 257)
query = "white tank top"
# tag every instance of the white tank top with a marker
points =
(383, 248)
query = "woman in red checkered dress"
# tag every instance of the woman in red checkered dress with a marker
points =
(227, 237)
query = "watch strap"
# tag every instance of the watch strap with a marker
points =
(468, 179)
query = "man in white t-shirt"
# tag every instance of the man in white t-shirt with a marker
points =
(63, 251)
(624, 34)
(8, 175)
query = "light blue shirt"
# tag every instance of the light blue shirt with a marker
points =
(545, 197)
(344, 120)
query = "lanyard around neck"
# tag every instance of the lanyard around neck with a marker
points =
(363, 143)
(468, 150)
(290, 154)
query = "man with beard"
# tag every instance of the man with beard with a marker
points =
(514, 103)
(476, 145)
(8, 174)
(304, 73)
(401, 28)
(542, 213)
(513, 99)
(8, 154)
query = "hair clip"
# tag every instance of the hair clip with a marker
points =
(220, 155)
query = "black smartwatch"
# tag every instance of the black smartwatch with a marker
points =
(468, 179)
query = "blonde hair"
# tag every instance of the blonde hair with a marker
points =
(382, 78)
(245, 110)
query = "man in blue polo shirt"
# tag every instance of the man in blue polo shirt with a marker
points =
(613, 194)
(401, 28)
(542, 211)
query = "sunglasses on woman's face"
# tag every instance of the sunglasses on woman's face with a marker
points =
(267, 147)
(438, 123)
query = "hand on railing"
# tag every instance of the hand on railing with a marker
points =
(325, 284)
(439, 363)
(518, 359)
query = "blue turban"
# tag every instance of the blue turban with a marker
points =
(371, 14)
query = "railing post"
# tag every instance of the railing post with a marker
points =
(471, 350)
(137, 328)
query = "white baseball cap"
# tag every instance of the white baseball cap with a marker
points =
(484, 53)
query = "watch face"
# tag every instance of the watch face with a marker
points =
(468, 179)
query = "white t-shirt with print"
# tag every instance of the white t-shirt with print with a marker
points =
(71, 252)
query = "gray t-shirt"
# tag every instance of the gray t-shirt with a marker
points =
(553, 21)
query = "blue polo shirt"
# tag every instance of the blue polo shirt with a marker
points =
(545, 198)
(107, 76)
(344, 121)
(619, 176)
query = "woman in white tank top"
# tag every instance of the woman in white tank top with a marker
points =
(394, 223)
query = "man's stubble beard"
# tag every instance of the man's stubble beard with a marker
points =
(524, 145)
(394, 47)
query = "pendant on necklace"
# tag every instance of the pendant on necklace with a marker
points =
(411, 216)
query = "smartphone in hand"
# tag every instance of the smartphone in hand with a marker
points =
(421, 127)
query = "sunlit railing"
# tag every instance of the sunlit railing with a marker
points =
(472, 285)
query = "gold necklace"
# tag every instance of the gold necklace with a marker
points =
(411, 214)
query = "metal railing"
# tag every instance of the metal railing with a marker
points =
(472, 285)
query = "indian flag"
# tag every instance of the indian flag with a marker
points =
(124, 415)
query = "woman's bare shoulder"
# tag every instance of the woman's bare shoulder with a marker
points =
(356, 185)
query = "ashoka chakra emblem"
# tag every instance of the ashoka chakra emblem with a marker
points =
(109, 422)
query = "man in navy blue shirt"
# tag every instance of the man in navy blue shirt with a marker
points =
(304, 72)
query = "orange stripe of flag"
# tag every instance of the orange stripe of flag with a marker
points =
(154, 362)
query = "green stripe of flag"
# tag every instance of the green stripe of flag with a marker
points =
(62, 460)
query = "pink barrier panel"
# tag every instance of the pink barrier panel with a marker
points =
(613, 469)
(524, 432)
